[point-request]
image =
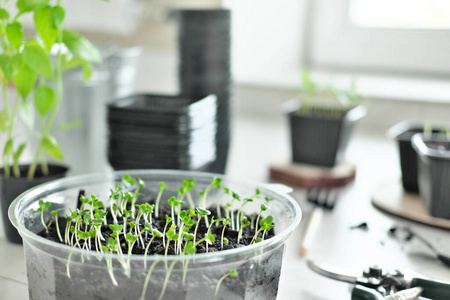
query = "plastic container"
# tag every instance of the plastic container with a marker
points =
(321, 140)
(434, 172)
(402, 133)
(258, 265)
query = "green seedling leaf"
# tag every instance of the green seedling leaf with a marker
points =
(58, 15)
(233, 273)
(37, 59)
(202, 212)
(3, 120)
(25, 80)
(29, 5)
(115, 227)
(43, 206)
(210, 237)
(18, 153)
(8, 149)
(43, 20)
(157, 233)
(128, 179)
(188, 236)
(225, 240)
(131, 238)
(190, 248)
(52, 147)
(162, 186)
(44, 98)
(83, 235)
(80, 47)
(4, 15)
(27, 113)
(14, 32)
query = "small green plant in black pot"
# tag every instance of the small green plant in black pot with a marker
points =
(321, 121)
(31, 71)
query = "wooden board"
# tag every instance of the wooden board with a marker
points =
(390, 197)
(308, 176)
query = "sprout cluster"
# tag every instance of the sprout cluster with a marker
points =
(125, 226)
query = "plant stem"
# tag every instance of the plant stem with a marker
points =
(167, 279)
(147, 278)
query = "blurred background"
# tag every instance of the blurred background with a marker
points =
(396, 50)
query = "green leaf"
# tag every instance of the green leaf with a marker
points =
(71, 125)
(18, 153)
(58, 15)
(52, 147)
(44, 97)
(14, 32)
(4, 15)
(8, 149)
(80, 46)
(27, 113)
(3, 120)
(29, 5)
(10, 65)
(190, 248)
(25, 80)
(38, 60)
(233, 273)
(43, 20)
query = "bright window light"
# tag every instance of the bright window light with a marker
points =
(400, 14)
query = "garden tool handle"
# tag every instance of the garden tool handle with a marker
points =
(361, 292)
(433, 289)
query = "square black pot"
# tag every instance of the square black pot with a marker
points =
(321, 140)
(434, 172)
(402, 133)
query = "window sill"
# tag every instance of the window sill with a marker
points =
(427, 90)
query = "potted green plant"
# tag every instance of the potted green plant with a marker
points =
(241, 247)
(31, 71)
(433, 172)
(321, 120)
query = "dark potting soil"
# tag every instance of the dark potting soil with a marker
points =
(157, 245)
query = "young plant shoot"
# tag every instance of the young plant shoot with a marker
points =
(121, 226)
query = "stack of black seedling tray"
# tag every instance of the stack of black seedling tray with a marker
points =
(204, 56)
(162, 132)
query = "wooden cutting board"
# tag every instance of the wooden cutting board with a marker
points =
(391, 198)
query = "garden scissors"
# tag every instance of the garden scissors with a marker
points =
(377, 284)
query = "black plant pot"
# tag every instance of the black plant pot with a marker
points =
(402, 133)
(11, 187)
(204, 56)
(434, 172)
(321, 140)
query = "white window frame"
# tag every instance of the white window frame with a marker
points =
(334, 43)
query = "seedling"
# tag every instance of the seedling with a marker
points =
(181, 228)
(55, 213)
(43, 206)
(225, 222)
(200, 212)
(162, 188)
(231, 273)
(244, 223)
(265, 226)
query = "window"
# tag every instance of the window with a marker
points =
(410, 37)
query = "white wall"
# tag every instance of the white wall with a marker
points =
(267, 40)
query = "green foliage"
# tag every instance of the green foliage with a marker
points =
(326, 99)
(34, 66)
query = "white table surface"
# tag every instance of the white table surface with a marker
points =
(256, 143)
